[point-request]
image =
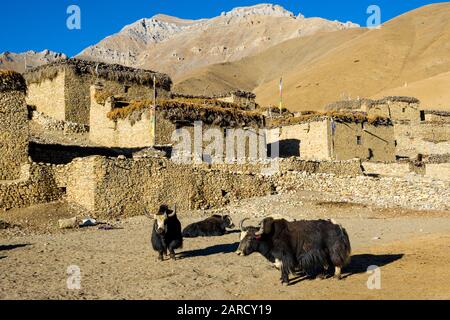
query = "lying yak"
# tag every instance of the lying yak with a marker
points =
(166, 234)
(211, 227)
(310, 247)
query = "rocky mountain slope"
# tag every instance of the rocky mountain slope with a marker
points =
(176, 46)
(409, 55)
(17, 61)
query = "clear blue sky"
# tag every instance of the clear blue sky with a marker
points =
(37, 25)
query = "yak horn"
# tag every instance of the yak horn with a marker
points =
(147, 214)
(261, 230)
(174, 213)
(241, 225)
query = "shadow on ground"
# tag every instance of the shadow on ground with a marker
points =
(221, 248)
(12, 247)
(361, 262)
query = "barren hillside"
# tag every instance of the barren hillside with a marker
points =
(176, 46)
(409, 55)
(412, 50)
(251, 72)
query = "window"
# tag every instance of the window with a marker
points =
(422, 115)
(126, 89)
(358, 140)
(403, 110)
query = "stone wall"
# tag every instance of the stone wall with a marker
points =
(437, 117)
(392, 169)
(14, 134)
(51, 124)
(36, 185)
(376, 143)
(395, 110)
(67, 96)
(49, 96)
(113, 187)
(309, 141)
(424, 138)
(316, 140)
(122, 133)
(412, 192)
(438, 171)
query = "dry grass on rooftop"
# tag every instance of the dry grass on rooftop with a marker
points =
(112, 72)
(191, 110)
(338, 116)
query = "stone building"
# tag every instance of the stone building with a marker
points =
(14, 132)
(335, 137)
(240, 99)
(394, 108)
(435, 116)
(115, 122)
(62, 89)
(243, 99)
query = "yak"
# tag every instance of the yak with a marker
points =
(310, 247)
(211, 227)
(166, 233)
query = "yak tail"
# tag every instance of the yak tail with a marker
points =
(340, 251)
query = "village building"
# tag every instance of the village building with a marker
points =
(394, 108)
(61, 89)
(244, 99)
(14, 132)
(334, 136)
(435, 116)
(116, 122)
(241, 99)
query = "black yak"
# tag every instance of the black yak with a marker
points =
(211, 227)
(310, 247)
(166, 234)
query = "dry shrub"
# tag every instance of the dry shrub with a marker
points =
(101, 96)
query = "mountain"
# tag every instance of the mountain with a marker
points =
(177, 46)
(251, 72)
(16, 61)
(407, 55)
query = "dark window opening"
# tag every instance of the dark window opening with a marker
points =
(126, 89)
(404, 110)
(358, 140)
(422, 115)
(420, 157)
(370, 154)
(395, 143)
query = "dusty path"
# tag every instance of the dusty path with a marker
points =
(412, 250)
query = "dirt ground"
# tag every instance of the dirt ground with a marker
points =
(411, 248)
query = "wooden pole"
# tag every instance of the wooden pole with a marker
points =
(154, 110)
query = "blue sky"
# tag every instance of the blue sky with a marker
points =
(37, 25)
